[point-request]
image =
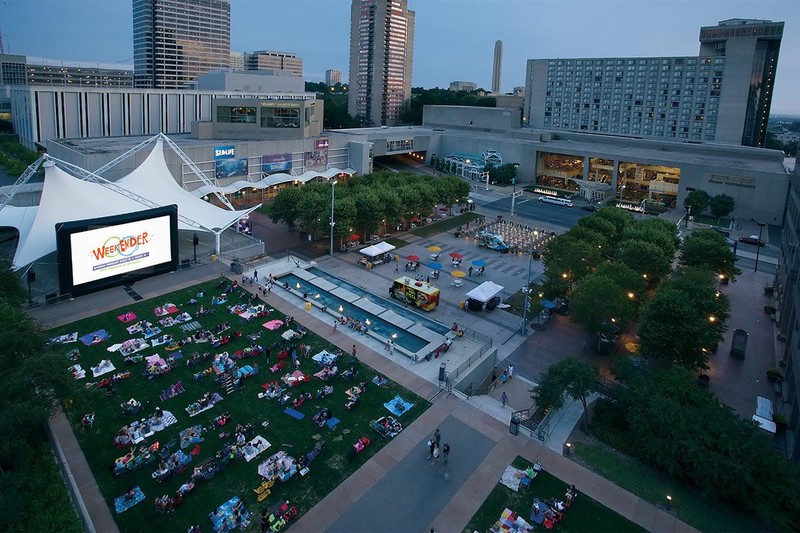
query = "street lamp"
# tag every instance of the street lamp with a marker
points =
(523, 329)
(621, 190)
(333, 201)
(513, 194)
(758, 244)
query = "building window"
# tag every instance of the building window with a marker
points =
(227, 114)
(280, 117)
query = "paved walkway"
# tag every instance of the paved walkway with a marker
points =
(470, 482)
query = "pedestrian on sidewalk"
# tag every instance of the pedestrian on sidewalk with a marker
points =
(396, 269)
(435, 454)
(391, 347)
(446, 452)
(510, 371)
(437, 437)
(431, 446)
(335, 325)
(469, 270)
(255, 275)
(354, 351)
(504, 399)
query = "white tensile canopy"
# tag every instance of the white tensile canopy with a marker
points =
(485, 291)
(66, 198)
(377, 249)
(272, 180)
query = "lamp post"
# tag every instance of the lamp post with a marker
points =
(758, 244)
(621, 190)
(513, 194)
(333, 223)
(523, 329)
(195, 242)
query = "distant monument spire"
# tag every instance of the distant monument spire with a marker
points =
(498, 66)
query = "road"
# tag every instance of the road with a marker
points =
(527, 206)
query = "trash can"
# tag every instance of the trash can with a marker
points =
(308, 306)
(213, 257)
(513, 426)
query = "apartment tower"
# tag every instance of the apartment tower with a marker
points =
(722, 95)
(174, 41)
(497, 67)
(270, 59)
(381, 52)
(332, 77)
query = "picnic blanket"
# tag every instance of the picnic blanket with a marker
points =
(254, 447)
(77, 371)
(194, 408)
(122, 504)
(191, 436)
(272, 325)
(398, 406)
(246, 371)
(295, 378)
(166, 309)
(512, 522)
(294, 414)
(326, 373)
(155, 361)
(129, 347)
(289, 334)
(104, 367)
(224, 518)
(65, 339)
(127, 317)
(172, 391)
(511, 478)
(324, 358)
(138, 327)
(379, 382)
(161, 339)
(90, 339)
(331, 422)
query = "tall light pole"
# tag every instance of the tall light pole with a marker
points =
(621, 190)
(513, 194)
(758, 245)
(333, 200)
(523, 329)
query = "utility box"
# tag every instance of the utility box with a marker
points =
(739, 343)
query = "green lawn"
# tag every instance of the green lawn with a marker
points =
(396, 242)
(296, 437)
(584, 515)
(445, 225)
(690, 505)
(722, 222)
(517, 300)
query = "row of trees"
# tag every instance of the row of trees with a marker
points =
(699, 200)
(32, 380)
(411, 112)
(502, 174)
(365, 204)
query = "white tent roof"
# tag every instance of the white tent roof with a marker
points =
(66, 198)
(485, 291)
(377, 249)
(18, 217)
(153, 180)
(269, 181)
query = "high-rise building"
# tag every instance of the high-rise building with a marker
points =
(332, 77)
(497, 67)
(237, 61)
(722, 95)
(269, 59)
(174, 41)
(381, 53)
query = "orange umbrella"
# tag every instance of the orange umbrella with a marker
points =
(434, 249)
(412, 257)
(456, 255)
(458, 274)
(354, 238)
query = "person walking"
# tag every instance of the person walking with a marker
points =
(446, 452)
(354, 351)
(335, 325)
(437, 437)
(510, 371)
(470, 271)
(431, 447)
(504, 399)
(255, 275)
(396, 269)
(435, 454)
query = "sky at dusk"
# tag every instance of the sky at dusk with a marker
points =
(454, 39)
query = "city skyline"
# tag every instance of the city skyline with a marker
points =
(461, 49)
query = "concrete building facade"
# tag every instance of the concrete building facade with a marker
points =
(269, 59)
(174, 41)
(381, 54)
(468, 86)
(237, 61)
(23, 70)
(251, 81)
(787, 297)
(722, 95)
(497, 66)
(291, 117)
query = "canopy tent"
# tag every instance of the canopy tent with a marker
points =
(272, 180)
(153, 180)
(377, 249)
(65, 198)
(485, 291)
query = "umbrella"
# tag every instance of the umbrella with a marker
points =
(434, 265)
(412, 257)
(458, 274)
(434, 249)
(354, 238)
(478, 263)
(456, 255)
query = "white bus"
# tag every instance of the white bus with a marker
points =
(557, 201)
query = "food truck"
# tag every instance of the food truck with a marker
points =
(418, 293)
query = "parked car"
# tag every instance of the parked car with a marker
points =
(752, 239)
(590, 208)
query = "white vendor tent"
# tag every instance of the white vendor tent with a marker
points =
(485, 291)
(377, 249)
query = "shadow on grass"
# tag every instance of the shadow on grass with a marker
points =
(585, 514)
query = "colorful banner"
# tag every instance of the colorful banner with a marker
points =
(317, 158)
(228, 168)
(276, 163)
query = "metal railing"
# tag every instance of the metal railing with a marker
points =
(537, 430)
(470, 333)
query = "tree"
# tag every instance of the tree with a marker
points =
(591, 237)
(569, 258)
(700, 285)
(722, 205)
(502, 174)
(600, 225)
(674, 329)
(708, 249)
(645, 258)
(284, 207)
(696, 201)
(630, 281)
(450, 189)
(655, 231)
(570, 374)
(621, 218)
(598, 300)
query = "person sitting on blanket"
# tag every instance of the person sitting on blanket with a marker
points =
(129, 496)
(361, 443)
(162, 504)
(324, 391)
(186, 488)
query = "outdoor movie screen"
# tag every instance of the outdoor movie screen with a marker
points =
(100, 253)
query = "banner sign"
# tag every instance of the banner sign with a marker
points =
(276, 163)
(228, 168)
(224, 152)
